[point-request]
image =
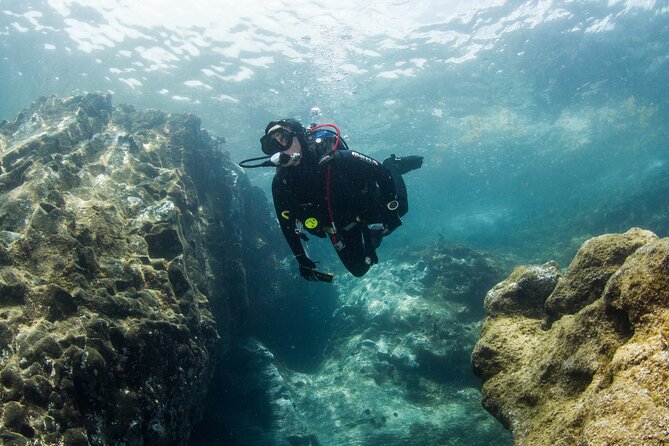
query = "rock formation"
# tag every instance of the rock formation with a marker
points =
(582, 358)
(120, 236)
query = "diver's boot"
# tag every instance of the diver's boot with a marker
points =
(404, 164)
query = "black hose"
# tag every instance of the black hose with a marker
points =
(267, 163)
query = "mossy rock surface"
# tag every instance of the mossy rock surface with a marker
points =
(590, 367)
(109, 272)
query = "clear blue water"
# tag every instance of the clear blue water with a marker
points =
(539, 120)
(542, 123)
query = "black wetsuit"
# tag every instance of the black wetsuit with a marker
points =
(360, 190)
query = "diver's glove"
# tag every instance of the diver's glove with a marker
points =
(307, 267)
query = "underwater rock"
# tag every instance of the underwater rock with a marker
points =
(597, 372)
(593, 265)
(115, 228)
(524, 292)
(395, 370)
(459, 274)
(257, 406)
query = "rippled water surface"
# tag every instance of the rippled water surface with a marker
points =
(542, 122)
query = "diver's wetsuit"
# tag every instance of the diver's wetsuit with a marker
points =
(361, 187)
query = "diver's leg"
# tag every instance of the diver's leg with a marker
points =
(400, 190)
(398, 167)
(353, 254)
(404, 164)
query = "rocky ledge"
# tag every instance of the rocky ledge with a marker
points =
(120, 239)
(582, 358)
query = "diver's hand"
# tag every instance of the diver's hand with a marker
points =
(308, 273)
(307, 267)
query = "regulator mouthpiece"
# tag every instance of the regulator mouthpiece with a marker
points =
(283, 159)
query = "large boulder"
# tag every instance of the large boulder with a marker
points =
(591, 368)
(120, 240)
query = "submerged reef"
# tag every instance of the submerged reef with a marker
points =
(122, 241)
(582, 357)
(394, 372)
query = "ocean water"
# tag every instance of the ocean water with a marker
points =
(542, 123)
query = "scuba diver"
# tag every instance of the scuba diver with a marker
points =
(330, 191)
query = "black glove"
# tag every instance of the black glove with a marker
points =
(307, 267)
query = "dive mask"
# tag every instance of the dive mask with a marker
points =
(277, 141)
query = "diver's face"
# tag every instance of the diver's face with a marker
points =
(282, 135)
(294, 151)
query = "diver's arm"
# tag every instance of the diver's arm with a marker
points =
(388, 196)
(384, 179)
(283, 207)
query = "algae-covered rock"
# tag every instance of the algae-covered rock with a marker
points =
(598, 373)
(596, 260)
(108, 272)
(524, 292)
(640, 288)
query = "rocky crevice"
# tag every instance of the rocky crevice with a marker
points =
(132, 252)
(394, 371)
